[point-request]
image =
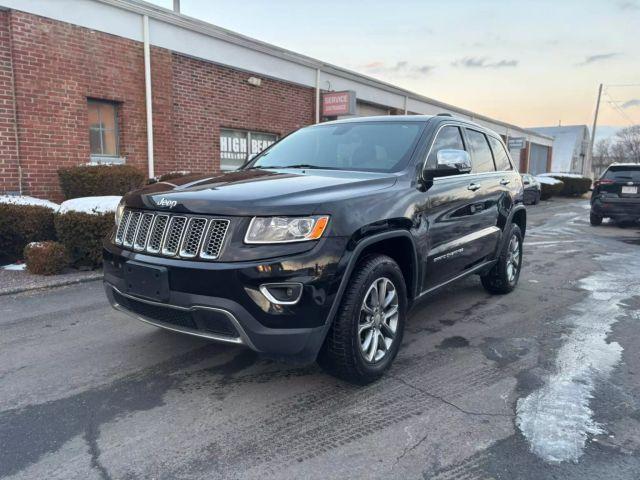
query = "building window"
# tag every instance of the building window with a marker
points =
(103, 130)
(238, 146)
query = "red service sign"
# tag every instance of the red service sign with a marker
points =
(339, 103)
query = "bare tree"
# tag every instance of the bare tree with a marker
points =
(625, 146)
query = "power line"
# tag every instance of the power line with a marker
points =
(623, 85)
(616, 106)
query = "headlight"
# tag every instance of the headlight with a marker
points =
(119, 212)
(285, 229)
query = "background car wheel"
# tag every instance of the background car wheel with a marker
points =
(595, 220)
(536, 200)
(503, 277)
(367, 331)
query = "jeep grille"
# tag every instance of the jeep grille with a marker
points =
(178, 236)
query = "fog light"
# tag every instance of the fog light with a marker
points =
(282, 293)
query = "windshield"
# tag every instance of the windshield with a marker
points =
(625, 172)
(374, 146)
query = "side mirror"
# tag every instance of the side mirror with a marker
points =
(526, 182)
(449, 162)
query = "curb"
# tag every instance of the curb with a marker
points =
(52, 286)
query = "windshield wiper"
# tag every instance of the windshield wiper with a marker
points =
(297, 165)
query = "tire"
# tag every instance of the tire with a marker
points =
(504, 275)
(595, 220)
(344, 353)
(536, 200)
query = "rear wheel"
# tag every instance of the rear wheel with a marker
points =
(595, 220)
(367, 331)
(503, 277)
(536, 200)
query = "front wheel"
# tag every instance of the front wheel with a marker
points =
(504, 275)
(367, 331)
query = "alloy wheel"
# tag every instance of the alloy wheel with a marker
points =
(378, 321)
(513, 258)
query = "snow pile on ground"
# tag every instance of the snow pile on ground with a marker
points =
(559, 174)
(548, 180)
(24, 200)
(91, 205)
(15, 266)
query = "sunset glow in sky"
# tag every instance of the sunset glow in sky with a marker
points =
(532, 63)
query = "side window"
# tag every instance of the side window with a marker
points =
(500, 155)
(449, 137)
(482, 159)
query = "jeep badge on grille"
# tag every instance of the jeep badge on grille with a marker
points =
(167, 203)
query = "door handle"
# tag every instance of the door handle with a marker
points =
(504, 181)
(473, 187)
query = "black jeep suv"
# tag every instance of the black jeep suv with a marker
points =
(617, 194)
(317, 248)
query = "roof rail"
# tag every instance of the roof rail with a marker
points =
(444, 115)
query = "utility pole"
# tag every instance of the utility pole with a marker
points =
(593, 134)
(176, 6)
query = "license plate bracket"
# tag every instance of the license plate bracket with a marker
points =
(626, 190)
(146, 281)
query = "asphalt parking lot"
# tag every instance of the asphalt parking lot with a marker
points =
(542, 383)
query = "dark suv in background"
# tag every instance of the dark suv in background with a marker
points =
(318, 247)
(616, 194)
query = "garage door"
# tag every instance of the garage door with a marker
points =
(538, 159)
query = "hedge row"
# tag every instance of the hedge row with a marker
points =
(46, 258)
(99, 180)
(82, 235)
(548, 190)
(573, 185)
(21, 225)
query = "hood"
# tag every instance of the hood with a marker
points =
(258, 192)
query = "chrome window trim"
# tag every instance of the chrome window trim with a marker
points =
(472, 127)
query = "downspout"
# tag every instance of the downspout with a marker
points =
(148, 96)
(317, 95)
(15, 108)
(406, 100)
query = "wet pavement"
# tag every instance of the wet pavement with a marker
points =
(543, 383)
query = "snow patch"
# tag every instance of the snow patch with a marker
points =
(557, 419)
(548, 180)
(25, 200)
(15, 266)
(559, 174)
(91, 205)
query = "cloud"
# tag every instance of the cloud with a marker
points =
(483, 62)
(598, 58)
(631, 103)
(629, 5)
(401, 68)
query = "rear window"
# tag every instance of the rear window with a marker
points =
(482, 158)
(500, 155)
(630, 174)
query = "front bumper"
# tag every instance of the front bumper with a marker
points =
(223, 302)
(616, 207)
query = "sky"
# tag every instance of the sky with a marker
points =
(531, 63)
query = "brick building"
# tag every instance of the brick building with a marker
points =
(74, 85)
